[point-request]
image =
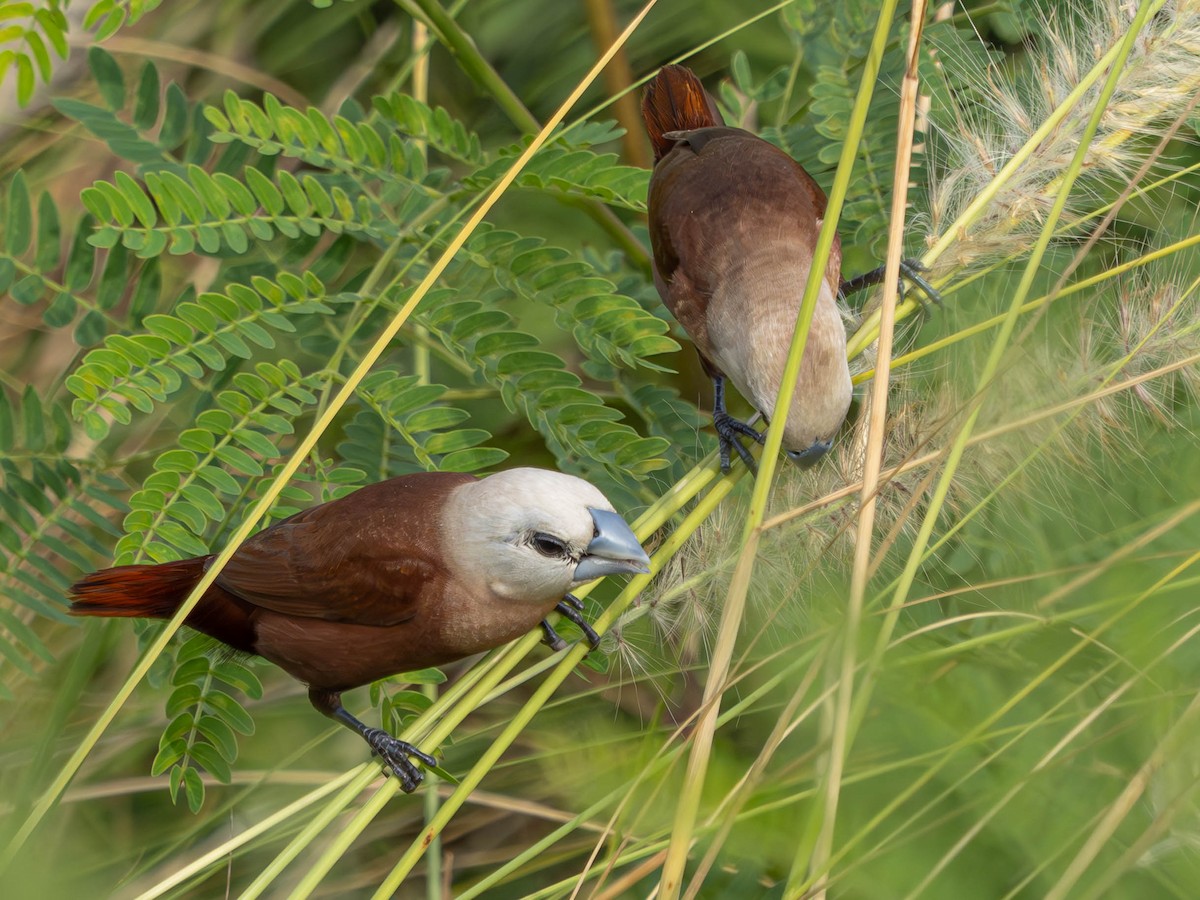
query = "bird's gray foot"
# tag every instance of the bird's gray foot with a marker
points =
(395, 753)
(910, 269)
(570, 607)
(730, 431)
(552, 638)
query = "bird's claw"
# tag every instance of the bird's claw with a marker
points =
(729, 430)
(552, 638)
(571, 607)
(913, 270)
(572, 600)
(395, 754)
(910, 269)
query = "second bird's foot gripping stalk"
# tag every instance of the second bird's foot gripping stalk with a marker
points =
(730, 430)
(911, 269)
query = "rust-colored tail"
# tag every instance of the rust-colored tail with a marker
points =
(676, 101)
(151, 592)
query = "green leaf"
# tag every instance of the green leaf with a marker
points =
(33, 434)
(421, 676)
(194, 788)
(7, 430)
(108, 77)
(49, 235)
(25, 80)
(239, 676)
(145, 109)
(168, 754)
(137, 199)
(81, 260)
(211, 760)
(18, 226)
(221, 736)
(230, 711)
(175, 119)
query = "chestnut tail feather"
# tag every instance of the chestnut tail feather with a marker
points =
(676, 101)
(151, 592)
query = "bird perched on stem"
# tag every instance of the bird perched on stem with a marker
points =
(412, 572)
(733, 225)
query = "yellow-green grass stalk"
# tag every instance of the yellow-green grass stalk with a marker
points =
(1077, 728)
(688, 805)
(1085, 641)
(841, 738)
(868, 330)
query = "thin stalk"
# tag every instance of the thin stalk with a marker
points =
(1074, 288)
(688, 806)
(420, 349)
(990, 368)
(618, 79)
(462, 46)
(841, 737)
(931, 773)
(868, 329)
(727, 813)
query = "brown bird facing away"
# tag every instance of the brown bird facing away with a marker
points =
(412, 572)
(733, 225)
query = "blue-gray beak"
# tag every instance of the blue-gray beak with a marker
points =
(808, 456)
(614, 550)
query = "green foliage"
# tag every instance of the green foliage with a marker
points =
(403, 428)
(54, 519)
(133, 372)
(153, 128)
(193, 483)
(34, 270)
(193, 269)
(205, 719)
(35, 30)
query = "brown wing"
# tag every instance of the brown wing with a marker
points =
(718, 188)
(368, 558)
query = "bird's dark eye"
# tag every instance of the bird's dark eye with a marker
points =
(549, 545)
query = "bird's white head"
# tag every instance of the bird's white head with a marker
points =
(530, 535)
